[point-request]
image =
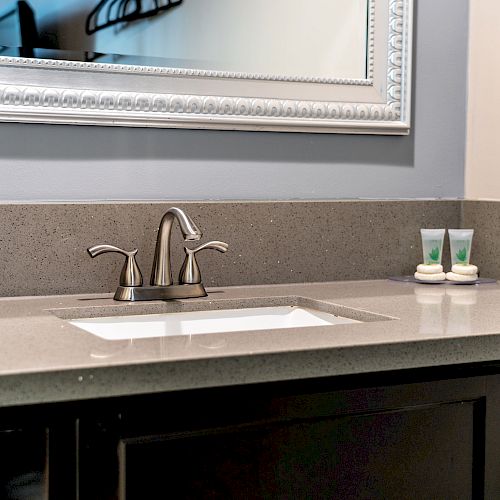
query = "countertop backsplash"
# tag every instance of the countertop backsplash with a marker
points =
(43, 246)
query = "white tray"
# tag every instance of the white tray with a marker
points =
(412, 279)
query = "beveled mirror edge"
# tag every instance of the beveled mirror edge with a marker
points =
(102, 94)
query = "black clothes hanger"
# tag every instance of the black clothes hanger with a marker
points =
(29, 32)
(27, 28)
(110, 12)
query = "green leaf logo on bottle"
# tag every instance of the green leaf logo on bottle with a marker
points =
(434, 254)
(462, 255)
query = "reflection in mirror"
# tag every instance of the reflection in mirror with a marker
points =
(286, 38)
(280, 65)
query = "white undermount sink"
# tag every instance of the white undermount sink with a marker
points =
(202, 322)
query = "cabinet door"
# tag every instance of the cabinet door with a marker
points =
(23, 463)
(37, 454)
(417, 454)
(419, 441)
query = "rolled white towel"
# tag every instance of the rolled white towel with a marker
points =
(465, 269)
(429, 268)
(430, 277)
(461, 277)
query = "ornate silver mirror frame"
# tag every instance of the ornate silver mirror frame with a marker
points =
(67, 92)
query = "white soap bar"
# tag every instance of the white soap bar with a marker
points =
(430, 277)
(429, 268)
(466, 269)
(461, 277)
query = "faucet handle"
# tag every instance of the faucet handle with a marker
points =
(131, 274)
(190, 271)
(216, 245)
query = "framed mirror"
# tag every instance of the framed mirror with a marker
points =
(277, 65)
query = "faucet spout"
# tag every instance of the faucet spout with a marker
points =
(161, 274)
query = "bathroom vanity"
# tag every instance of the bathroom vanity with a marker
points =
(356, 437)
(402, 403)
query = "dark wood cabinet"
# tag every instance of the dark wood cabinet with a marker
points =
(23, 462)
(363, 437)
(38, 453)
(419, 454)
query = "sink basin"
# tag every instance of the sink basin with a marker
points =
(202, 322)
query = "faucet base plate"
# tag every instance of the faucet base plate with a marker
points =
(136, 293)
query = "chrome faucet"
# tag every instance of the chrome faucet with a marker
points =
(162, 286)
(161, 274)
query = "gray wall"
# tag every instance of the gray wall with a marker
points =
(42, 162)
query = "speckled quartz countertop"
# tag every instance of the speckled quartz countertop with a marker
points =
(43, 358)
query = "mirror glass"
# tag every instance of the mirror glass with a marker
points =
(292, 39)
